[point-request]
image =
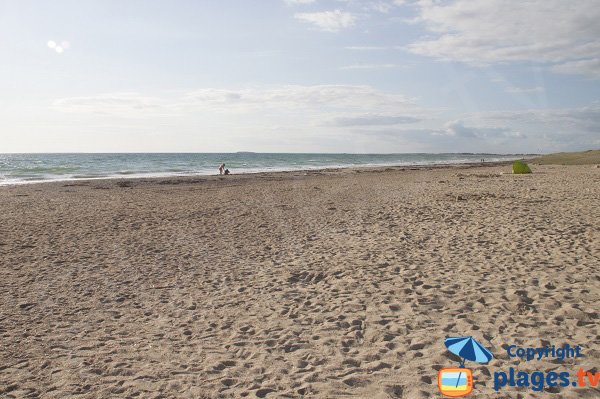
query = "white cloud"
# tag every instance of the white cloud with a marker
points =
(317, 104)
(297, 2)
(524, 90)
(298, 107)
(373, 120)
(458, 128)
(541, 31)
(532, 131)
(283, 118)
(589, 67)
(380, 6)
(319, 95)
(560, 121)
(546, 129)
(370, 66)
(325, 117)
(125, 104)
(366, 48)
(329, 21)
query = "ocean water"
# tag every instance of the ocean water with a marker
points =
(29, 168)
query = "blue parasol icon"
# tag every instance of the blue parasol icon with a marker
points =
(468, 349)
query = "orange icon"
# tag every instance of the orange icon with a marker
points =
(455, 382)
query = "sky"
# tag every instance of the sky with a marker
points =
(372, 76)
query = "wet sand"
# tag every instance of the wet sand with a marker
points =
(328, 284)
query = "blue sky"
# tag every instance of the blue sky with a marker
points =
(299, 76)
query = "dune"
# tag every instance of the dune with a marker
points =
(589, 157)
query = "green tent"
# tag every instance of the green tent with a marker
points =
(520, 167)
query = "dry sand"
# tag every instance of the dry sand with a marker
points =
(318, 284)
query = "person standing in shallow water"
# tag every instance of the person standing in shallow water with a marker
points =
(222, 169)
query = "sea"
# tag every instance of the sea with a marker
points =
(33, 168)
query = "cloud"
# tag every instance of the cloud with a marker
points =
(370, 66)
(524, 90)
(553, 32)
(373, 120)
(548, 130)
(327, 118)
(531, 131)
(457, 128)
(291, 104)
(329, 21)
(380, 6)
(299, 2)
(111, 103)
(589, 67)
(562, 121)
(366, 48)
(294, 97)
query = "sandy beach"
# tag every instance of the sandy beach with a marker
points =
(324, 284)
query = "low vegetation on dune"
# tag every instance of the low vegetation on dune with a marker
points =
(589, 157)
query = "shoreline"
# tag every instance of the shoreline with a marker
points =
(261, 174)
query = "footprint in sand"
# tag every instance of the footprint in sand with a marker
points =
(261, 393)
